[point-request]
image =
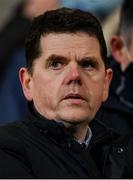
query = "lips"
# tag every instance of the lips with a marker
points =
(73, 96)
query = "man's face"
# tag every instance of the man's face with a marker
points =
(69, 80)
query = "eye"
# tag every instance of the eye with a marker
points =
(56, 64)
(87, 64)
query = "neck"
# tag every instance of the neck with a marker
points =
(81, 134)
(79, 130)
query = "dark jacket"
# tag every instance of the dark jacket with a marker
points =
(40, 148)
(113, 153)
(117, 111)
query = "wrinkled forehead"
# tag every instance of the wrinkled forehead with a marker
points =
(68, 43)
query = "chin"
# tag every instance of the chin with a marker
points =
(74, 117)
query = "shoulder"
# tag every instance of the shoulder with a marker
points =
(14, 160)
(11, 135)
(100, 129)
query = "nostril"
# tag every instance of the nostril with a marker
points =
(75, 82)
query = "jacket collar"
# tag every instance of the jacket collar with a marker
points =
(102, 133)
(58, 132)
(55, 130)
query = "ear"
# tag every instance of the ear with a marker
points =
(26, 79)
(117, 48)
(108, 78)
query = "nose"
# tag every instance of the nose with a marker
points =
(73, 75)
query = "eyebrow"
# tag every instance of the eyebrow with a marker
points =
(56, 57)
(90, 59)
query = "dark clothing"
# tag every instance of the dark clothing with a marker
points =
(41, 148)
(112, 153)
(117, 111)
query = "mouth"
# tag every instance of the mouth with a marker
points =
(74, 98)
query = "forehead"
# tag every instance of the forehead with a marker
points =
(79, 43)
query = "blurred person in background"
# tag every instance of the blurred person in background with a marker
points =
(117, 111)
(101, 8)
(12, 38)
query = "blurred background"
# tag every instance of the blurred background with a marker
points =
(15, 18)
(102, 8)
(6, 9)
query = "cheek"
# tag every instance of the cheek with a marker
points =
(96, 98)
(96, 90)
(46, 88)
(45, 91)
